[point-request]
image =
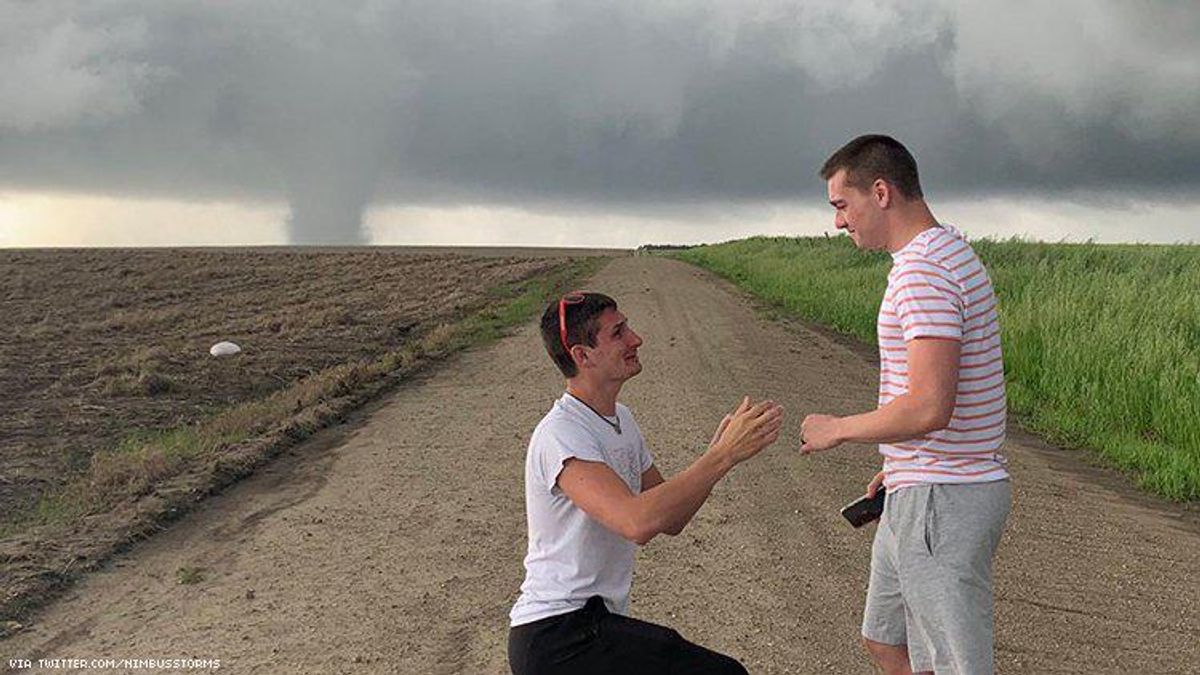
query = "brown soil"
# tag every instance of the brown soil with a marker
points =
(394, 543)
(98, 344)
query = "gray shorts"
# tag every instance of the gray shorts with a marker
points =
(931, 574)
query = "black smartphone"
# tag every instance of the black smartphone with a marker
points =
(865, 509)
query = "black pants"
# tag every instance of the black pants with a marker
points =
(593, 640)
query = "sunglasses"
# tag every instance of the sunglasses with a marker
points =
(572, 298)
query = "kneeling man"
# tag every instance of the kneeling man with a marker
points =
(592, 493)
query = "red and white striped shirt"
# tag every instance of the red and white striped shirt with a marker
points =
(939, 288)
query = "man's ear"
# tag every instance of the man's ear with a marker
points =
(882, 192)
(579, 357)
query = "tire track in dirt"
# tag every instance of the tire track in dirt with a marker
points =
(397, 546)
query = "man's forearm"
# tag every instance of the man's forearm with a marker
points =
(904, 418)
(669, 506)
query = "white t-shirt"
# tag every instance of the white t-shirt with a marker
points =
(571, 556)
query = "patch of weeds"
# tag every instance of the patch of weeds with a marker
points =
(189, 575)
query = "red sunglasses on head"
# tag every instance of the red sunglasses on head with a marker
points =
(572, 298)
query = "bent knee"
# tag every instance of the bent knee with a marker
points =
(734, 667)
(885, 653)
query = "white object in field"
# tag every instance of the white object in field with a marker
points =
(224, 349)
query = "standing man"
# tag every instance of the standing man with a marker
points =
(592, 494)
(939, 424)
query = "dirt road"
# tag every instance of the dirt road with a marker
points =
(395, 543)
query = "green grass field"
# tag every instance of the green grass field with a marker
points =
(1101, 342)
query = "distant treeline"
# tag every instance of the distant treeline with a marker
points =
(656, 248)
(1101, 342)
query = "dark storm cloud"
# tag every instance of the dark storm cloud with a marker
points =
(334, 106)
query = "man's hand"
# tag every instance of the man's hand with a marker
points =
(819, 432)
(720, 430)
(873, 486)
(604, 496)
(749, 429)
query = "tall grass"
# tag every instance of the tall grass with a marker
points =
(1101, 342)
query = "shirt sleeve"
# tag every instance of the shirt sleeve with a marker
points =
(555, 445)
(928, 302)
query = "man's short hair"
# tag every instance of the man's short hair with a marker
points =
(874, 156)
(582, 325)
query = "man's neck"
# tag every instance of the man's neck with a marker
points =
(911, 220)
(602, 397)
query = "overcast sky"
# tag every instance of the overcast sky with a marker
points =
(581, 122)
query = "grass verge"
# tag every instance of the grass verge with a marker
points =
(136, 488)
(1101, 342)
